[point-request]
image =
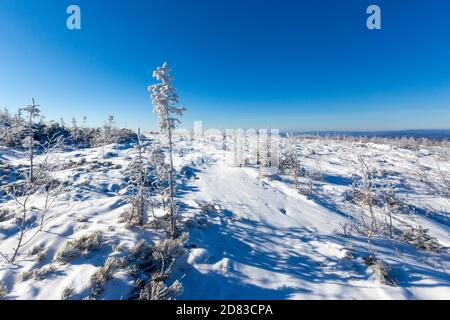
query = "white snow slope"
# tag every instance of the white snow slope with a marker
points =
(264, 240)
(255, 238)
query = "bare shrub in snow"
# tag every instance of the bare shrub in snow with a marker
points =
(381, 269)
(158, 290)
(38, 251)
(8, 174)
(25, 276)
(5, 215)
(363, 191)
(312, 176)
(3, 290)
(392, 204)
(420, 238)
(152, 265)
(290, 163)
(170, 249)
(108, 134)
(199, 221)
(347, 229)
(67, 293)
(424, 177)
(41, 273)
(81, 246)
(140, 257)
(10, 128)
(445, 179)
(37, 274)
(165, 105)
(146, 256)
(44, 185)
(105, 273)
(41, 256)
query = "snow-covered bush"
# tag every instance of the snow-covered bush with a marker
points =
(67, 293)
(8, 174)
(11, 128)
(105, 273)
(445, 178)
(382, 270)
(99, 137)
(420, 238)
(164, 254)
(152, 265)
(37, 251)
(5, 215)
(158, 290)
(199, 221)
(81, 246)
(140, 257)
(138, 189)
(290, 163)
(3, 290)
(364, 192)
(170, 249)
(37, 274)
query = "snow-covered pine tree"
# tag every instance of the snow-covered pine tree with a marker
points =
(11, 128)
(74, 131)
(159, 170)
(85, 133)
(5, 125)
(33, 112)
(138, 187)
(108, 130)
(290, 162)
(166, 107)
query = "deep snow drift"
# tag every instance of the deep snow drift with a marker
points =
(251, 236)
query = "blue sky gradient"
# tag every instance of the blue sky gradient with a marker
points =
(303, 65)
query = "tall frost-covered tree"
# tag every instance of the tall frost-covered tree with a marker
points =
(32, 113)
(166, 107)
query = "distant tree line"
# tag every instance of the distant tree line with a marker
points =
(16, 130)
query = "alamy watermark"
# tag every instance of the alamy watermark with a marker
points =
(238, 147)
(374, 20)
(73, 21)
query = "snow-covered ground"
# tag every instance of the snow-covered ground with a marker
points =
(250, 236)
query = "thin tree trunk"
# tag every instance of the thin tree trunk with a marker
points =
(30, 141)
(171, 192)
(22, 232)
(141, 208)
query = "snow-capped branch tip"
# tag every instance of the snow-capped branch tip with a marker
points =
(163, 73)
(165, 99)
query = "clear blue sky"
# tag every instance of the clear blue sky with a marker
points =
(306, 65)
